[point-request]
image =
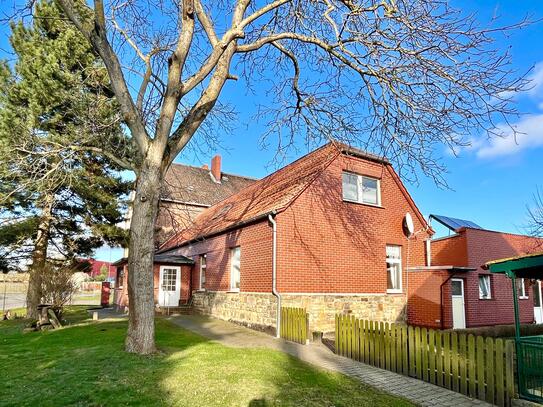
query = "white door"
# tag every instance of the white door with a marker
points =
(458, 306)
(169, 291)
(538, 307)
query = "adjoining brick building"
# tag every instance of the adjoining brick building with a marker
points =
(455, 292)
(328, 227)
(186, 192)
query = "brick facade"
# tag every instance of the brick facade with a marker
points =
(121, 284)
(327, 245)
(471, 248)
(429, 291)
(331, 254)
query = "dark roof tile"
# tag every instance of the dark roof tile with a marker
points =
(188, 184)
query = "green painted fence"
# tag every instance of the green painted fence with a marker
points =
(294, 324)
(472, 365)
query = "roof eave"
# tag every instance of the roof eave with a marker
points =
(224, 230)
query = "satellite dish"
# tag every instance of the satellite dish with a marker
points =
(408, 226)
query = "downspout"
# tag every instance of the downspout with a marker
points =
(274, 276)
(441, 297)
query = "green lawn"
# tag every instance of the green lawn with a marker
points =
(84, 365)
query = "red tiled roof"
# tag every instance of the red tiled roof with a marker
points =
(270, 194)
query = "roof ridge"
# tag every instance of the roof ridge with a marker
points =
(259, 183)
(224, 173)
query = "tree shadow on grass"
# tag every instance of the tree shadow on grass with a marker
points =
(85, 365)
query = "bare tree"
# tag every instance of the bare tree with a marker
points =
(403, 78)
(535, 215)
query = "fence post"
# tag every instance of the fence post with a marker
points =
(439, 358)
(471, 366)
(500, 362)
(509, 371)
(432, 356)
(462, 353)
(490, 389)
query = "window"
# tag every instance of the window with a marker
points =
(484, 288)
(537, 294)
(362, 189)
(235, 256)
(394, 269)
(203, 266)
(120, 277)
(169, 279)
(457, 288)
(521, 289)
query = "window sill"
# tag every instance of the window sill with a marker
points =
(363, 203)
(394, 291)
(524, 298)
(486, 298)
(233, 291)
(201, 290)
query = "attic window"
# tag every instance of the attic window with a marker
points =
(223, 211)
(361, 189)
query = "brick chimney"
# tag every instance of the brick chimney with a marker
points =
(216, 168)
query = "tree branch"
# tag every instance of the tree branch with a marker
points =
(97, 37)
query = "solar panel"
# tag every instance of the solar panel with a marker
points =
(455, 223)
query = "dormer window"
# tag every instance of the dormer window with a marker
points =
(361, 189)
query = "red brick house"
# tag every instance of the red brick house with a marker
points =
(95, 268)
(455, 292)
(325, 233)
(186, 192)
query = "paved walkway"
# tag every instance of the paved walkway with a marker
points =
(418, 392)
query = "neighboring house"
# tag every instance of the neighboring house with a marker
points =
(455, 292)
(325, 233)
(95, 268)
(188, 190)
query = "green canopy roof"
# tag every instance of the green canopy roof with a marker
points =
(525, 266)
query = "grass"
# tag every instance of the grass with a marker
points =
(84, 365)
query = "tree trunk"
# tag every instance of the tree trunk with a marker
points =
(141, 323)
(39, 257)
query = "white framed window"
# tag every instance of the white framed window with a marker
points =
(394, 269)
(485, 290)
(521, 288)
(361, 189)
(235, 262)
(203, 268)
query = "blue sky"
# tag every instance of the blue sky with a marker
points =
(491, 183)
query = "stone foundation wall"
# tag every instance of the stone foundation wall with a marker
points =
(255, 310)
(258, 310)
(322, 309)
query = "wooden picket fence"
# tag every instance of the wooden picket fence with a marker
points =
(294, 324)
(478, 367)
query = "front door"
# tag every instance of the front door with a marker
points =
(169, 291)
(458, 305)
(538, 307)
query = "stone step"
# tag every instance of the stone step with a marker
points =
(180, 310)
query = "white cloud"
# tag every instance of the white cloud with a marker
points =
(536, 81)
(534, 86)
(529, 135)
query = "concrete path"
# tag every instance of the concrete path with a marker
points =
(418, 392)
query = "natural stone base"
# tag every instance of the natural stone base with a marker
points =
(322, 309)
(254, 310)
(258, 310)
